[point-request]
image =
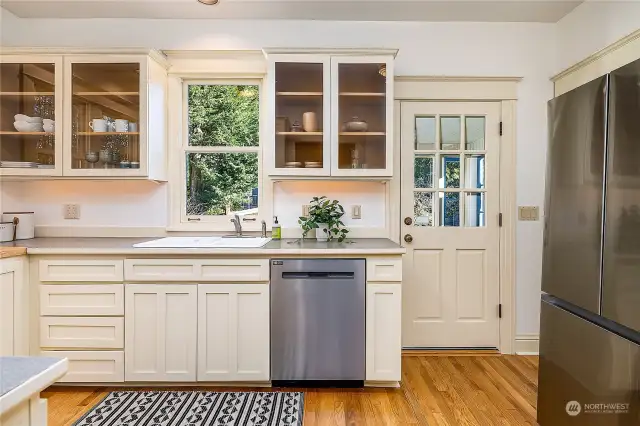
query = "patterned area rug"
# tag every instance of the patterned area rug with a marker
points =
(132, 408)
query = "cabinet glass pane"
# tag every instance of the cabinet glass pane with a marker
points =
(105, 116)
(423, 209)
(474, 171)
(27, 115)
(362, 116)
(474, 130)
(425, 133)
(449, 171)
(423, 171)
(474, 205)
(449, 208)
(450, 133)
(299, 115)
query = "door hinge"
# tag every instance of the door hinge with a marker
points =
(501, 128)
(500, 310)
(500, 220)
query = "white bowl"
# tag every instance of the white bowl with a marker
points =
(49, 128)
(26, 118)
(46, 121)
(23, 126)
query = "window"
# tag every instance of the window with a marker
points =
(221, 152)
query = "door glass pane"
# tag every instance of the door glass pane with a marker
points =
(423, 171)
(474, 130)
(220, 184)
(474, 205)
(423, 209)
(223, 115)
(474, 171)
(362, 108)
(449, 171)
(450, 132)
(299, 115)
(425, 133)
(27, 116)
(105, 116)
(449, 209)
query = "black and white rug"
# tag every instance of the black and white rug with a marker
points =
(132, 408)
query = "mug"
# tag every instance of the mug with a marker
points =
(98, 125)
(121, 126)
(133, 127)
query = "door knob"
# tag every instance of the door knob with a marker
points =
(408, 238)
(408, 221)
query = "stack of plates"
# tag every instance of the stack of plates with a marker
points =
(18, 164)
(313, 164)
(292, 164)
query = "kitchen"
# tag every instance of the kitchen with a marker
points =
(142, 202)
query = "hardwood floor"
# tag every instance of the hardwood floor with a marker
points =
(436, 390)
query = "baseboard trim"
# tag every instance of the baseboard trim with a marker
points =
(450, 352)
(527, 344)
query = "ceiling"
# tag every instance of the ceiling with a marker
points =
(351, 10)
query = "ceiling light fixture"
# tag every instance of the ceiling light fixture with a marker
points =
(209, 2)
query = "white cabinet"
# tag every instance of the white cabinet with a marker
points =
(13, 307)
(384, 322)
(233, 332)
(160, 332)
(330, 114)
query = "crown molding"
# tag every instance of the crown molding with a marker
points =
(454, 79)
(156, 55)
(323, 51)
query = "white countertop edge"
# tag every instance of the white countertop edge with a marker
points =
(33, 386)
(205, 251)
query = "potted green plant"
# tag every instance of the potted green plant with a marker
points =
(324, 216)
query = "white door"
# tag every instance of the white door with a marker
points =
(233, 332)
(450, 221)
(160, 332)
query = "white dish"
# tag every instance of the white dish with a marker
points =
(26, 118)
(23, 126)
(49, 128)
(293, 163)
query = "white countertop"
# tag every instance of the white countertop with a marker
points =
(23, 377)
(124, 246)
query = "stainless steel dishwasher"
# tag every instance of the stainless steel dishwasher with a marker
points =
(318, 322)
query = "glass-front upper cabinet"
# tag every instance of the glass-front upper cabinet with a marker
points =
(300, 89)
(362, 117)
(106, 117)
(30, 107)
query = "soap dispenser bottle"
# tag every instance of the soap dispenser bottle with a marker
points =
(276, 230)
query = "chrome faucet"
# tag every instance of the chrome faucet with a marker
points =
(237, 224)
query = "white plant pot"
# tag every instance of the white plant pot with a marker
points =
(321, 235)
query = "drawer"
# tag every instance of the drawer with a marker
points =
(70, 270)
(91, 366)
(82, 333)
(204, 270)
(384, 269)
(82, 299)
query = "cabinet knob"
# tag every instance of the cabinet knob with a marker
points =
(408, 238)
(408, 221)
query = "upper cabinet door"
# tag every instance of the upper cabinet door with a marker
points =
(106, 115)
(362, 116)
(31, 115)
(300, 121)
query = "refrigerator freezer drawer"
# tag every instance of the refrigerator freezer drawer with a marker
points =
(588, 375)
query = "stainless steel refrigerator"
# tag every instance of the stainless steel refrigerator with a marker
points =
(590, 312)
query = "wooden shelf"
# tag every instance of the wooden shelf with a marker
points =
(27, 133)
(106, 93)
(107, 133)
(362, 133)
(363, 94)
(27, 93)
(299, 133)
(299, 93)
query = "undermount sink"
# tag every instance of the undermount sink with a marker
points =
(205, 242)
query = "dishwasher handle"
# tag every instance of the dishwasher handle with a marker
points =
(318, 275)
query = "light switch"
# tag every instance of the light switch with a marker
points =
(528, 213)
(356, 212)
(305, 210)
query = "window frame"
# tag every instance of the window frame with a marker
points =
(178, 119)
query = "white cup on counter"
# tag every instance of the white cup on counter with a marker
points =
(98, 125)
(122, 126)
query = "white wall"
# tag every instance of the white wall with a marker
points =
(592, 26)
(437, 48)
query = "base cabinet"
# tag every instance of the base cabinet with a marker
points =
(384, 320)
(13, 307)
(233, 332)
(160, 332)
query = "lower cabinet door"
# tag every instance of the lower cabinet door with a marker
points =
(160, 332)
(233, 332)
(384, 322)
(91, 366)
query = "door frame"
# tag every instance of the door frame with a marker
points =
(466, 89)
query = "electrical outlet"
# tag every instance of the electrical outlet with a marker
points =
(356, 211)
(72, 211)
(528, 213)
(305, 210)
